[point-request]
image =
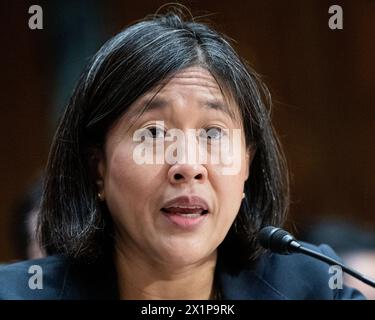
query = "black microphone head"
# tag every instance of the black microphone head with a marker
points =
(265, 236)
(275, 239)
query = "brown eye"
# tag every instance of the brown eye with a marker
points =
(214, 133)
(156, 132)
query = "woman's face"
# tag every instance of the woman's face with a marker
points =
(174, 213)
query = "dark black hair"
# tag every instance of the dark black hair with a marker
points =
(136, 60)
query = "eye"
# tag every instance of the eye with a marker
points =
(213, 133)
(156, 132)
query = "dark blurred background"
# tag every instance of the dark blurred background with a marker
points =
(322, 82)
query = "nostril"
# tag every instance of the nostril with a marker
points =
(198, 176)
(178, 176)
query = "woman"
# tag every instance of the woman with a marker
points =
(118, 226)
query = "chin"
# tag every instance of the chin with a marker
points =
(185, 254)
(183, 261)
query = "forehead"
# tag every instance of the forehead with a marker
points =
(193, 82)
(197, 77)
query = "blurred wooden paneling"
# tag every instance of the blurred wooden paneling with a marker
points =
(24, 113)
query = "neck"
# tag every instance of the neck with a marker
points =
(142, 279)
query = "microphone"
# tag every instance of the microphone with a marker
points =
(280, 241)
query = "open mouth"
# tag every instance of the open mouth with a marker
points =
(187, 212)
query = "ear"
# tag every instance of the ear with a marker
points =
(97, 167)
(101, 166)
(250, 153)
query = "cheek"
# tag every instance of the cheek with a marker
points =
(122, 173)
(237, 173)
(128, 185)
(230, 195)
(229, 190)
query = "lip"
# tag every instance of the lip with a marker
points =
(185, 203)
(190, 201)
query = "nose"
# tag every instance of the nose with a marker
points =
(186, 173)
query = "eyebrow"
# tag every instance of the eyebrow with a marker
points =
(211, 104)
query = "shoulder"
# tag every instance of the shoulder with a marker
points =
(298, 276)
(34, 279)
(58, 278)
(293, 277)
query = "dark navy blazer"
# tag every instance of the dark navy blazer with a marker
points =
(273, 276)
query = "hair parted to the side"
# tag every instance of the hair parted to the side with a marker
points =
(72, 221)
